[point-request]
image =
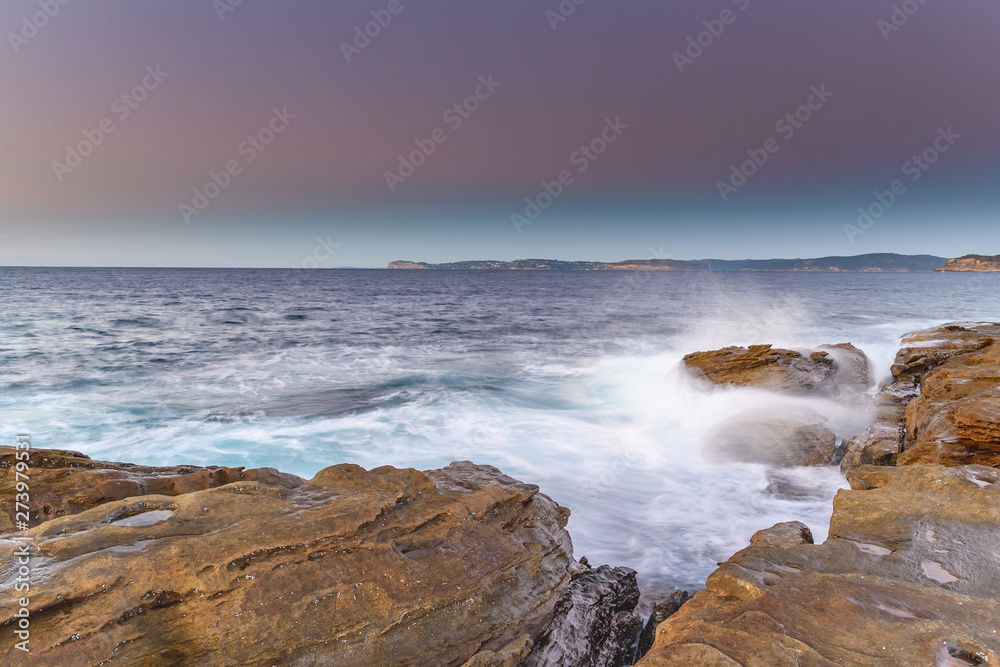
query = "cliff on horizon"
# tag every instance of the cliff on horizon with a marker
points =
(972, 264)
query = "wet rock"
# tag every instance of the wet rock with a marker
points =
(67, 482)
(785, 484)
(661, 612)
(595, 623)
(908, 577)
(909, 574)
(353, 568)
(791, 438)
(942, 404)
(510, 655)
(839, 371)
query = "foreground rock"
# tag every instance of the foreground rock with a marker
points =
(353, 568)
(910, 573)
(792, 438)
(839, 371)
(64, 482)
(594, 624)
(909, 576)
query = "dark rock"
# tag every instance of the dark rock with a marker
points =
(595, 623)
(661, 612)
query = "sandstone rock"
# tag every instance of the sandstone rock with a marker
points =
(510, 655)
(353, 568)
(65, 482)
(833, 370)
(661, 612)
(908, 577)
(594, 624)
(793, 438)
(941, 406)
(972, 264)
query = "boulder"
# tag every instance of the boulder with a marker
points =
(839, 371)
(352, 568)
(793, 438)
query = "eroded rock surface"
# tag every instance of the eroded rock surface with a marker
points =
(839, 371)
(352, 568)
(65, 482)
(943, 404)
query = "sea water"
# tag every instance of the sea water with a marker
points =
(571, 381)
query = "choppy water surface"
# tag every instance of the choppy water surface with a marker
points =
(568, 381)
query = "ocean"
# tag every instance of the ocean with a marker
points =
(567, 380)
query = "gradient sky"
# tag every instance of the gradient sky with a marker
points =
(653, 193)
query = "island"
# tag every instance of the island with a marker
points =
(870, 263)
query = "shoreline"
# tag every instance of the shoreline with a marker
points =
(224, 534)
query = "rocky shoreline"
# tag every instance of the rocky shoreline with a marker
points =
(465, 566)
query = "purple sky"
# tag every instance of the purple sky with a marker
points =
(654, 191)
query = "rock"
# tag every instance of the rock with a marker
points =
(833, 370)
(595, 623)
(65, 482)
(910, 572)
(942, 404)
(972, 264)
(783, 535)
(793, 438)
(784, 484)
(908, 577)
(510, 655)
(661, 612)
(353, 568)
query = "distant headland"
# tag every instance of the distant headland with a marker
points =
(871, 263)
(973, 264)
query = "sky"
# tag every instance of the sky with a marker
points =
(279, 134)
